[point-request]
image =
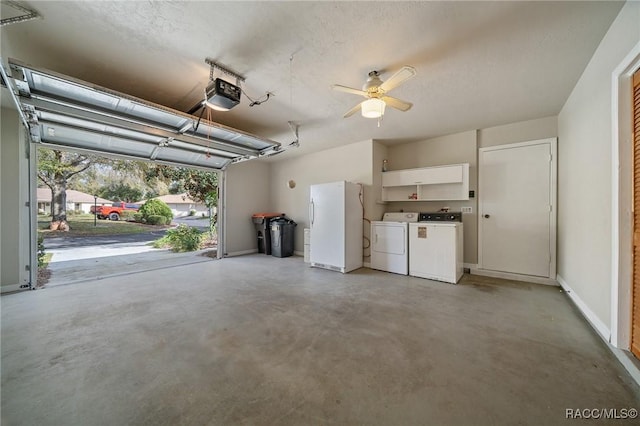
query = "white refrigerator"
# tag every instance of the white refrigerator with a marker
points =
(335, 222)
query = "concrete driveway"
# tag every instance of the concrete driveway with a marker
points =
(80, 259)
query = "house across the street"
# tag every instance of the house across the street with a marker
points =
(182, 204)
(77, 201)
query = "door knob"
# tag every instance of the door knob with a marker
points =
(486, 216)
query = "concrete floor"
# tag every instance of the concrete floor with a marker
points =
(262, 340)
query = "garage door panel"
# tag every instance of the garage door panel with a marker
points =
(52, 118)
(197, 159)
(95, 141)
(246, 141)
(63, 111)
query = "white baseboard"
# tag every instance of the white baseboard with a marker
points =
(241, 253)
(470, 266)
(625, 358)
(514, 277)
(603, 331)
(595, 322)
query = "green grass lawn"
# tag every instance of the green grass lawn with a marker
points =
(82, 225)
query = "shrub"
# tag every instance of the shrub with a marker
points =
(137, 217)
(156, 208)
(182, 238)
(41, 251)
(156, 219)
(192, 212)
(128, 215)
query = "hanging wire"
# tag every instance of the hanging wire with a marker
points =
(366, 242)
(254, 102)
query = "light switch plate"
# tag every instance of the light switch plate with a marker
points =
(467, 209)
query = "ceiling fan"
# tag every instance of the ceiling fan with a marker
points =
(375, 90)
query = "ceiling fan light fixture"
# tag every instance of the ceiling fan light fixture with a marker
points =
(373, 108)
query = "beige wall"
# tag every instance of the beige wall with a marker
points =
(463, 148)
(351, 162)
(9, 209)
(450, 149)
(377, 208)
(15, 219)
(247, 192)
(584, 175)
(523, 131)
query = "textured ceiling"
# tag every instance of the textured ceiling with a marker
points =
(479, 64)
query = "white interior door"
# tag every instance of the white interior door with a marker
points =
(516, 201)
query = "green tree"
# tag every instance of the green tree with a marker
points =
(200, 185)
(120, 180)
(55, 169)
(121, 192)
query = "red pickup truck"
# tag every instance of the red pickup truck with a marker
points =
(114, 211)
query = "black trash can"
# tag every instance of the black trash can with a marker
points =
(282, 235)
(262, 221)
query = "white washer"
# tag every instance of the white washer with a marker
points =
(436, 247)
(390, 242)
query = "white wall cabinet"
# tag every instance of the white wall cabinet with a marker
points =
(427, 184)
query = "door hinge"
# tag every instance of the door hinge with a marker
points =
(550, 157)
(27, 204)
(27, 267)
(550, 208)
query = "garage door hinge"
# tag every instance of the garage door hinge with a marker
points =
(27, 204)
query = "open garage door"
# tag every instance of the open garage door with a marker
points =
(65, 113)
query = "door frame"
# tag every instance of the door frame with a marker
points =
(621, 199)
(553, 183)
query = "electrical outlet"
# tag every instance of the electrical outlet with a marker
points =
(467, 209)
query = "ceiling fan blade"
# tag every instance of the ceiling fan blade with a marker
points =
(397, 103)
(398, 78)
(349, 90)
(352, 110)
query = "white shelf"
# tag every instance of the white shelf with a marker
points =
(441, 183)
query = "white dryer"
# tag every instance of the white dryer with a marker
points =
(390, 242)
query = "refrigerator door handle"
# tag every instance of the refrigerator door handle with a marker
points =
(312, 212)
